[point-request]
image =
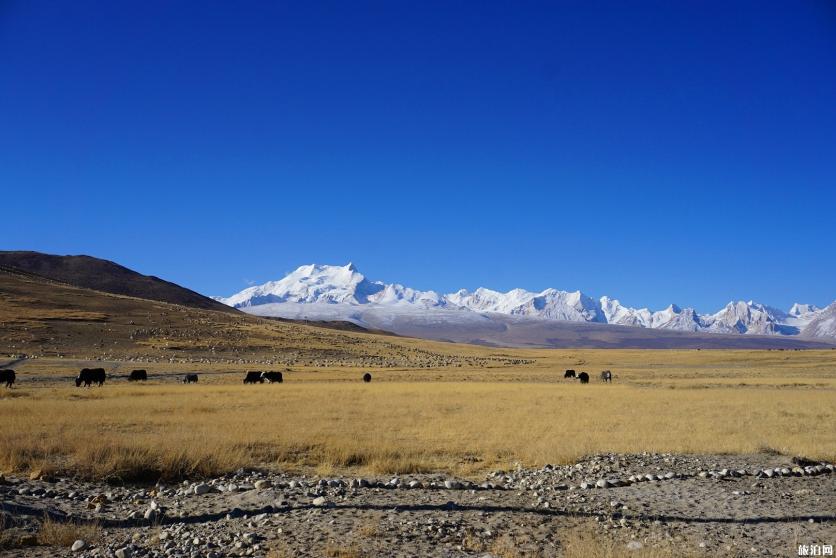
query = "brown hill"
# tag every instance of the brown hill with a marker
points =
(106, 276)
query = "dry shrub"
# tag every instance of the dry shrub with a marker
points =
(58, 533)
(335, 550)
(472, 542)
(505, 547)
(584, 541)
(280, 549)
(370, 528)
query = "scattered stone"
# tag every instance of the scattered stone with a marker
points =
(78, 546)
(246, 531)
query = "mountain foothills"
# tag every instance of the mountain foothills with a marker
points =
(342, 292)
(102, 275)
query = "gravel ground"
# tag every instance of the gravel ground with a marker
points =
(754, 505)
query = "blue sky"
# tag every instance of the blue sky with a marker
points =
(654, 151)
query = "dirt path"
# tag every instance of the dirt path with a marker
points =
(760, 505)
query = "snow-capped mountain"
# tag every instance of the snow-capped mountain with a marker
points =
(347, 290)
(310, 284)
(823, 324)
(674, 317)
(802, 310)
(550, 304)
(744, 317)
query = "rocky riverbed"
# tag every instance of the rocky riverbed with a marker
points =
(755, 505)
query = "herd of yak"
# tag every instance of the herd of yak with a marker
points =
(606, 376)
(90, 376)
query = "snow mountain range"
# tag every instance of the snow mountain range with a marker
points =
(342, 292)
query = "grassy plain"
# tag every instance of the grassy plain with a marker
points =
(455, 419)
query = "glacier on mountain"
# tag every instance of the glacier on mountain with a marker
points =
(332, 292)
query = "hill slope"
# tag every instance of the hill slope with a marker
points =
(106, 276)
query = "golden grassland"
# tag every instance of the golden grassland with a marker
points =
(457, 419)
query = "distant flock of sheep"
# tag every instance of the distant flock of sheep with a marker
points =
(90, 376)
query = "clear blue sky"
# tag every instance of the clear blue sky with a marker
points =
(654, 151)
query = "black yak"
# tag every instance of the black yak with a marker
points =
(89, 376)
(138, 376)
(272, 377)
(7, 377)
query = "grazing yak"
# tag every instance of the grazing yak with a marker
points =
(138, 376)
(89, 376)
(190, 379)
(7, 377)
(583, 377)
(253, 377)
(606, 376)
(569, 374)
(367, 377)
(272, 377)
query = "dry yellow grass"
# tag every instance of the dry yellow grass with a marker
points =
(64, 534)
(342, 550)
(580, 541)
(584, 541)
(672, 401)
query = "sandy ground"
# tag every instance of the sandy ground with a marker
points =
(755, 505)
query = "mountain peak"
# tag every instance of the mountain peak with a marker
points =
(344, 285)
(799, 309)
